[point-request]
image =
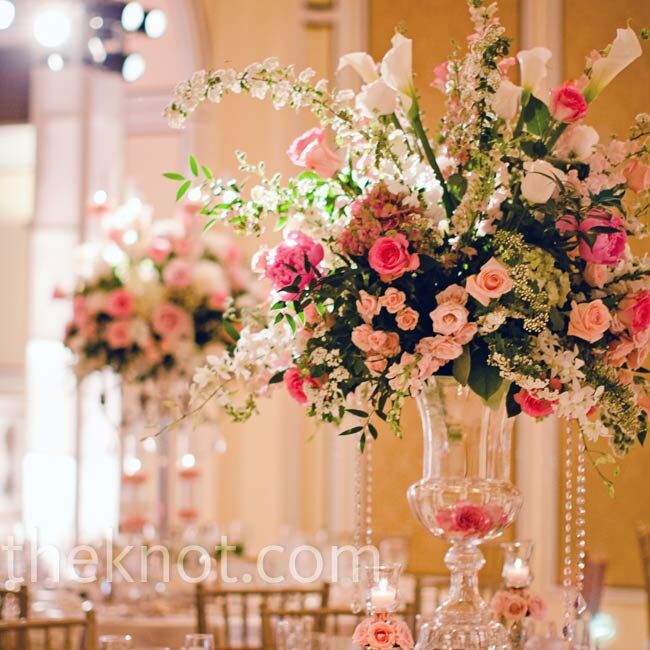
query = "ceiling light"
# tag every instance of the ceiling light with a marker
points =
(133, 67)
(55, 62)
(132, 17)
(97, 49)
(52, 26)
(155, 24)
(7, 14)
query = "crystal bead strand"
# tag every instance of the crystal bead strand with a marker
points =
(567, 571)
(581, 512)
(369, 479)
(357, 604)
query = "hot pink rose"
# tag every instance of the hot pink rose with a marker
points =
(634, 311)
(295, 384)
(595, 275)
(448, 318)
(160, 249)
(178, 274)
(515, 607)
(589, 320)
(120, 303)
(466, 333)
(608, 247)
(381, 636)
(407, 319)
(171, 322)
(567, 104)
(638, 176)
(492, 281)
(389, 256)
(118, 334)
(393, 300)
(311, 151)
(361, 337)
(376, 364)
(472, 519)
(453, 293)
(361, 634)
(368, 306)
(403, 637)
(537, 607)
(530, 405)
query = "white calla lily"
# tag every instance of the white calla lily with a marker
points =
(533, 65)
(505, 101)
(577, 142)
(625, 49)
(377, 98)
(397, 68)
(362, 63)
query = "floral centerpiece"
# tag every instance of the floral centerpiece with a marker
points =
(511, 606)
(496, 250)
(382, 631)
(153, 299)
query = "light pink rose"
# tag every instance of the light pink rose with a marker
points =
(389, 256)
(361, 337)
(531, 405)
(361, 635)
(638, 176)
(428, 365)
(171, 322)
(377, 340)
(182, 246)
(618, 351)
(311, 151)
(393, 300)
(159, 249)
(218, 300)
(403, 637)
(391, 345)
(120, 303)
(589, 320)
(595, 275)
(407, 319)
(448, 318)
(638, 356)
(537, 607)
(118, 334)
(368, 306)
(492, 281)
(515, 607)
(498, 603)
(381, 636)
(295, 384)
(567, 104)
(445, 348)
(178, 274)
(79, 310)
(453, 293)
(608, 247)
(466, 333)
(634, 311)
(376, 364)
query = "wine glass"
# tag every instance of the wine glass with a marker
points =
(115, 642)
(199, 642)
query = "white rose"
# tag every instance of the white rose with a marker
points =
(540, 181)
(362, 63)
(397, 68)
(505, 101)
(577, 142)
(534, 70)
(625, 49)
(376, 98)
(208, 278)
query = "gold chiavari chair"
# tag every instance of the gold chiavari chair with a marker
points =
(55, 634)
(643, 532)
(19, 597)
(594, 582)
(247, 605)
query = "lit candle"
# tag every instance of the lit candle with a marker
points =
(383, 595)
(517, 575)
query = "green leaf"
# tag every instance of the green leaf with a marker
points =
(349, 432)
(194, 165)
(461, 367)
(512, 407)
(642, 436)
(173, 176)
(358, 413)
(484, 379)
(536, 116)
(373, 431)
(182, 190)
(292, 323)
(495, 401)
(206, 172)
(209, 223)
(277, 305)
(232, 332)
(277, 377)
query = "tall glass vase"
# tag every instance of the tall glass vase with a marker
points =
(465, 497)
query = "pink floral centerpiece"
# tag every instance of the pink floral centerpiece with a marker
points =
(382, 632)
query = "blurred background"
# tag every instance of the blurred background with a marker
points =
(75, 137)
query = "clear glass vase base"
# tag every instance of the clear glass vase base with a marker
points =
(436, 636)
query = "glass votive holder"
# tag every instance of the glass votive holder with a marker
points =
(516, 564)
(383, 582)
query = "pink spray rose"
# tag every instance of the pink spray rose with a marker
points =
(453, 293)
(448, 318)
(608, 247)
(171, 322)
(178, 274)
(361, 337)
(390, 257)
(403, 637)
(119, 303)
(381, 636)
(634, 311)
(393, 300)
(466, 333)
(444, 348)
(618, 351)
(407, 319)
(361, 635)
(537, 607)
(595, 275)
(515, 607)
(390, 346)
(637, 175)
(160, 249)
(118, 334)
(295, 383)
(492, 281)
(589, 320)
(311, 151)
(367, 306)
(530, 405)
(376, 364)
(567, 104)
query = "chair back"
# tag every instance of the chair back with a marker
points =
(234, 616)
(78, 633)
(644, 543)
(594, 581)
(16, 600)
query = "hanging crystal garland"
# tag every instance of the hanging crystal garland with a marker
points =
(581, 517)
(567, 571)
(357, 599)
(369, 478)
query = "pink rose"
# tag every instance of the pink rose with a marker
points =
(589, 320)
(295, 384)
(595, 275)
(381, 636)
(118, 334)
(79, 310)
(391, 345)
(407, 319)
(389, 256)
(537, 607)
(472, 519)
(567, 104)
(515, 607)
(448, 318)
(608, 247)
(638, 356)
(634, 311)
(120, 303)
(376, 364)
(367, 306)
(403, 637)
(498, 603)
(178, 274)
(361, 337)
(530, 405)
(311, 151)
(393, 300)
(618, 351)
(286, 264)
(453, 293)
(182, 246)
(361, 635)
(466, 333)
(492, 281)
(440, 347)
(427, 365)
(637, 175)
(377, 340)
(218, 300)
(159, 250)
(171, 322)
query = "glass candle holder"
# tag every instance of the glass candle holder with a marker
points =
(516, 564)
(188, 493)
(133, 501)
(383, 582)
